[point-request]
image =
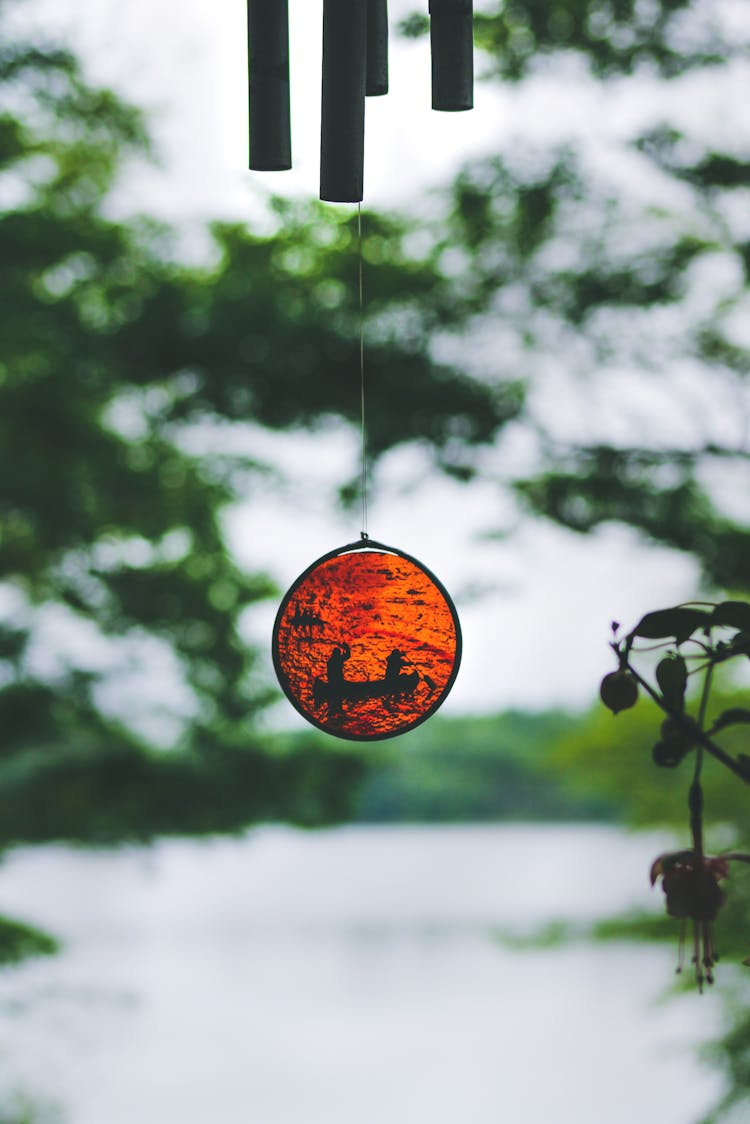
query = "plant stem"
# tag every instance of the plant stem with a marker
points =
(695, 806)
(695, 793)
(704, 696)
(700, 737)
(702, 723)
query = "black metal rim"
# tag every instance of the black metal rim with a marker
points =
(350, 548)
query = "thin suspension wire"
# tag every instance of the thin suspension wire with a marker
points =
(364, 534)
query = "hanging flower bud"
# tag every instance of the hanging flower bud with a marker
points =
(618, 691)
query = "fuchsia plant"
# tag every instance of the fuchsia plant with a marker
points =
(712, 634)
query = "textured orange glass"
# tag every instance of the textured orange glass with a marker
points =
(366, 642)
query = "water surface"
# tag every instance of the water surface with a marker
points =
(351, 976)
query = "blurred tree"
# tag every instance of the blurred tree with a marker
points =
(608, 240)
(621, 251)
(125, 371)
(117, 362)
(606, 244)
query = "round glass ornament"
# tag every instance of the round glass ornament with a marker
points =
(367, 642)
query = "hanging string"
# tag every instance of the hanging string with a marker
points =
(363, 533)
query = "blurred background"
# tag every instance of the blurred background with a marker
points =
(209, 908)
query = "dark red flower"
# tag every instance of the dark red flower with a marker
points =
(691, 885)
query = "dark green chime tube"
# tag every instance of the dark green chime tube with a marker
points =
(355, 65)
(342, 110)
(452, 46)
(377, 48)
(268, 48)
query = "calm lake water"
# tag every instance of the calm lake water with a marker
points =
(351, 976)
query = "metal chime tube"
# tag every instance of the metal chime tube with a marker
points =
(452, 46)
(268, 50)
(342, 124)
(377, 48)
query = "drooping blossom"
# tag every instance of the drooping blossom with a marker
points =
(690, 882)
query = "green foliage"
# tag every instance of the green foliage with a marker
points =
(591, 486)
(615, 37)
(732, 1056)
(583, 273)
(460, 770)
(102, 793)
(679, 623)
(26, 1110)
(126, 378)
(285, 351)
(116, 356)
(19, 941)
(612, 755)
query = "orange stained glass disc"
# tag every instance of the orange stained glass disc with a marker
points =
(366, 642)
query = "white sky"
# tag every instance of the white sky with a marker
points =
(543, 629)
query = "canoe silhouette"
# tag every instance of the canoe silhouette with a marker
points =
(353, 690)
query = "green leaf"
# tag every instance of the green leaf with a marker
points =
(732, 716)
(19, 941)
(671, 675)
(665, 623)
(736, 614)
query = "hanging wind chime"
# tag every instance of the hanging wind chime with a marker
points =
(366, 642)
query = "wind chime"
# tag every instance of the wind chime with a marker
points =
(367, 641)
